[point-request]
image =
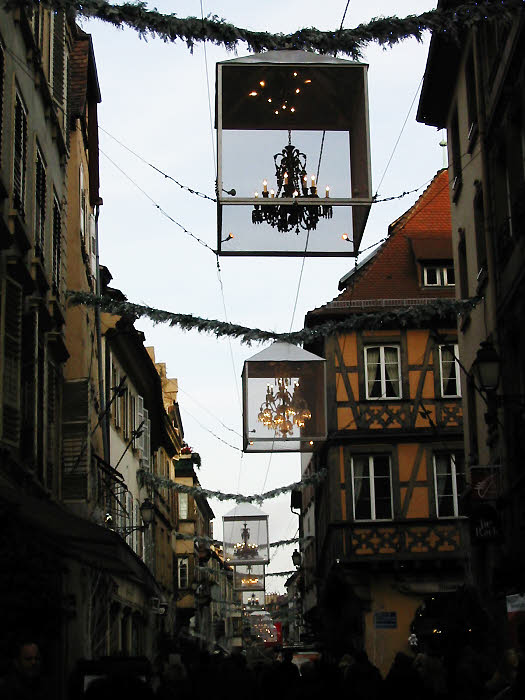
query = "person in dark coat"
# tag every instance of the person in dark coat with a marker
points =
(403, 682)
(363, 679)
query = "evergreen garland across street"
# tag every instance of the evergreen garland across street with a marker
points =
(386, 31)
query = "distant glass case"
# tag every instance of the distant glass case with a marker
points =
(249, 577)
(245, 533)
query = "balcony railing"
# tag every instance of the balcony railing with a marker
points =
(365, 303)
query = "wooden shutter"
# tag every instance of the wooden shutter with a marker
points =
(76, 442)
(2, 70)
(58, 55)
(138, 442)
(19, 156)
(11, 362)
(57, 244)
(52, 424)
(93, 246)
(82, 194)
(40, 205)
(147, 441)
(116, 400)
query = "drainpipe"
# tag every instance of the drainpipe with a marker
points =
(98, 330)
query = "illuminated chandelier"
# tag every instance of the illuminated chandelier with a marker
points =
(281, 410)
(245, 548)
(292, 183)
(253, 601)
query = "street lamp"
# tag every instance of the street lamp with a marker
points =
(147, 512)
(296, 558)
(486, 367)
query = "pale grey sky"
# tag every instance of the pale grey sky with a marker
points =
(155, 100)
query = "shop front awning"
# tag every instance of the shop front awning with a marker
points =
(76, 537)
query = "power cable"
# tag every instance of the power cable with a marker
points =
(204, 408)
(158, 170)
(211, 432)
(209, 98)
(400, 134)
(161, 210)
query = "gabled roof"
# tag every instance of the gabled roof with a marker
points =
(391, 273)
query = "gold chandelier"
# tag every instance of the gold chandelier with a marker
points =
(281, 410)
(245, 548)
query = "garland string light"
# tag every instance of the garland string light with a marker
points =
(147, 478)
(386, 31)
(219, 543)
(436, 311)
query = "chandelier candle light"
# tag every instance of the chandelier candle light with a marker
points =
(281, 410)
(292, 183)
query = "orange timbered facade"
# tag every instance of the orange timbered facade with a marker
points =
(388, 519)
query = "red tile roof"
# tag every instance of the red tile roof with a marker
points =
(79, 61)
(83, 74)
(393, 272)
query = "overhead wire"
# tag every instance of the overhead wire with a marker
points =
(208, 430)
(160, 209)
(191, 190)
(204, 408)
(400, 134)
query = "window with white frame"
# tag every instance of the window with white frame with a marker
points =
(183, 573)
(438, 276)
(383, 376)
(372, 487)
(450, 383)
(183, 506)
(449, 472)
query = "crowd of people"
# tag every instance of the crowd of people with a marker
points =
(198, 675)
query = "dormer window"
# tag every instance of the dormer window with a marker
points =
(438, 276)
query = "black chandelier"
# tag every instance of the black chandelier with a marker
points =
(292, 183)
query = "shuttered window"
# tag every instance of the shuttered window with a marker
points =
(52, 425)
(82, 195)
(57, 243)
(138, 441)
(147, 441)
(40, 205)
(19, 156)
(10, 348)
(58, 56)
(2, 70)
(76, 444)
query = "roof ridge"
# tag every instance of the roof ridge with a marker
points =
(415, 208)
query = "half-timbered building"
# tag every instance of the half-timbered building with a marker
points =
(388, 523)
